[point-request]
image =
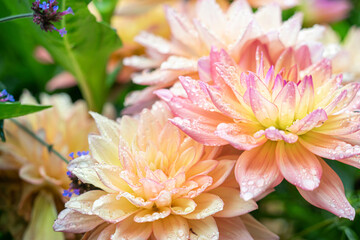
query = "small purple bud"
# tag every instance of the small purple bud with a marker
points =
(3, 93)
(55, 8)
(68, 173)
(79, 154)
(69, 11)
(77, 191)
(62, 32)
(71, 155)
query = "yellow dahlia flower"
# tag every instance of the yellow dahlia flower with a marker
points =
(153, 180)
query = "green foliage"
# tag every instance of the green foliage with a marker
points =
(83, 51)
(106, 8)
(11, 110)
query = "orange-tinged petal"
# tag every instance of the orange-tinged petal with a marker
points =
(353, 161)
(171, 228)
(203, 229)
(182, 206)
(151, 215)
(328, 147)
(72, 221)
(221, 173)
(207, 204)
(265, 111)
(202, 168)
(232, 228)
(233, 204)
(286, 103)
(112, 209)
(256, 229)
(128, 229)
(239, 136)
(299, 166)
(314, 119)
(102, 232)
(256, 171)
(330, 194)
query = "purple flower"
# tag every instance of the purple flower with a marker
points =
(6, 97)
(46, 14)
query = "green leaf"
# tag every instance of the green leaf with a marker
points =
(11, 110)
(106, 8)
(84, 50)
(350, 234)
(42, 218)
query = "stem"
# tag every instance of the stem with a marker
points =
(10, 18)
(32, 134)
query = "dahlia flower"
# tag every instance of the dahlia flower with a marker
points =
(238, 30)
(65, 126)
(324, 11)
(155, 181)
(284, 119)
(345, 56)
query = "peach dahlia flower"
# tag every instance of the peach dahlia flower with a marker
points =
(285, 120)
(155, 181)
(65, 126)
(238, 30)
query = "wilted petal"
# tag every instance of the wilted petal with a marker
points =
(172, 228)
(256, 171)
(299, 166)
(233, 204)
(330, 194)
(75, 222)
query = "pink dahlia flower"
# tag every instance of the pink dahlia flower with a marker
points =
(238, 30)
(284, 119)
(153, 180)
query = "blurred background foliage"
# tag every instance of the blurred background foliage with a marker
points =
(284, 211)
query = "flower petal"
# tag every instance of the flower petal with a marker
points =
(232, 228)
(221, 172)
(330, 194)
(108, 128)
(182, 206)
(84, 202)
(233, 204)
(299, 166)
(151, 215)
(314, 119)
(256, 171)
(207, 205)
(113, 210)
(265, 111)
(171, 228)
(203, 229)
(327, 146)
(128, 229)
(72, 221)
(256, 229)
(103, 150)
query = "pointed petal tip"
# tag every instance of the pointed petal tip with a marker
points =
(164, 94)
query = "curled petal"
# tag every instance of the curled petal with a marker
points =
(330, 194)
(182, 206)
(151, 215)
(274, 134)
(299, 166)
(256, 171)
(207, 204)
